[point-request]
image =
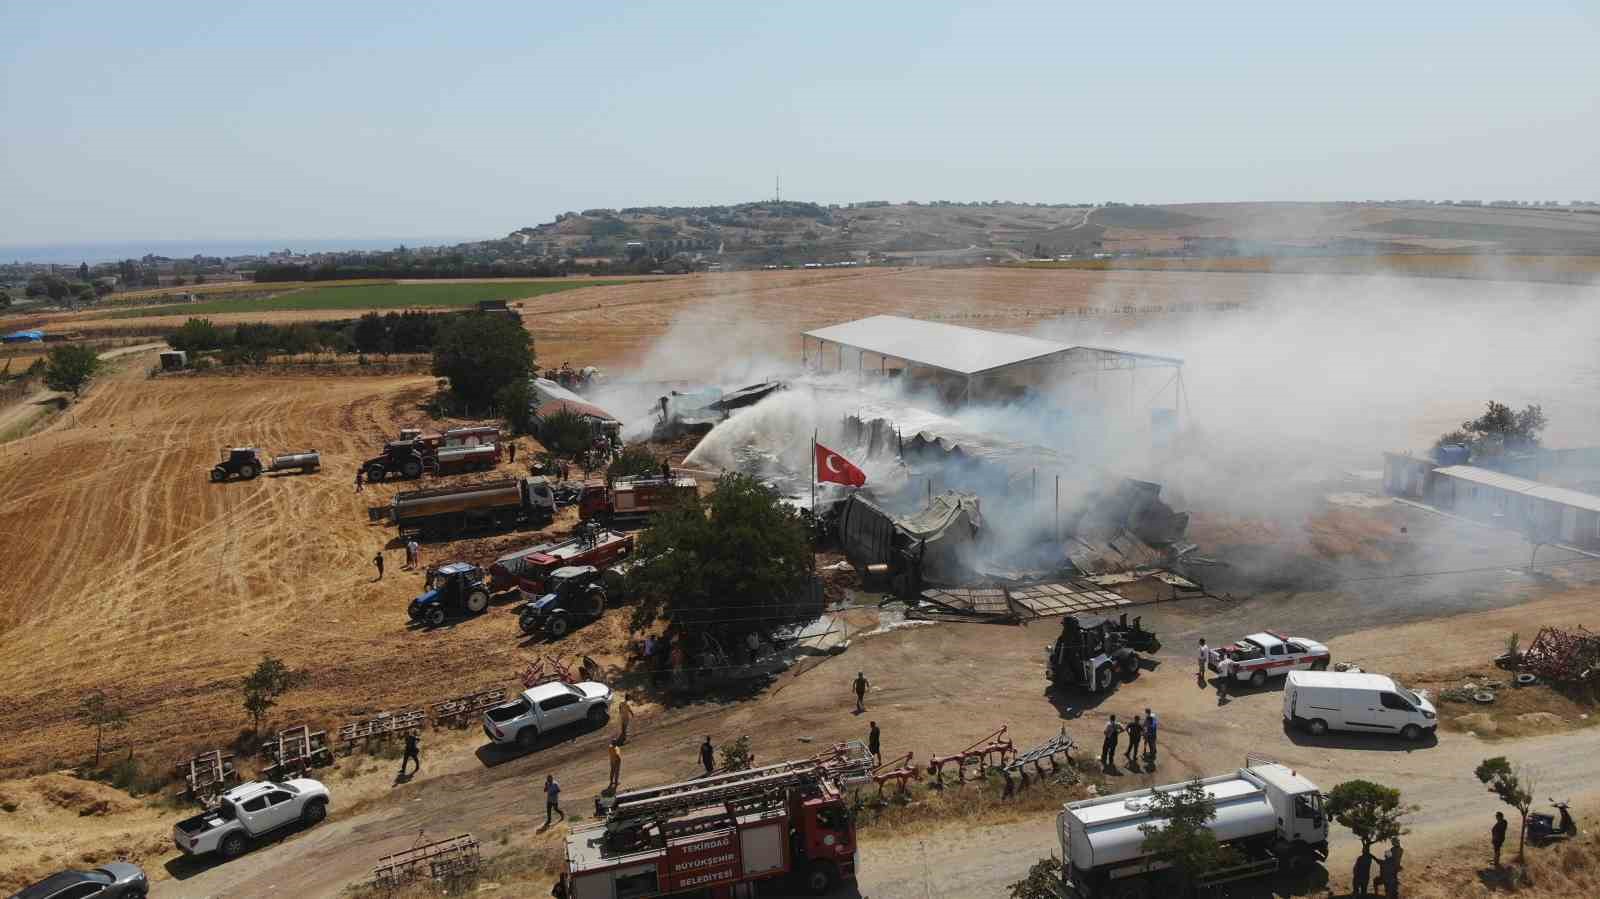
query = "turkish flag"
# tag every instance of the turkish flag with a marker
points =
(833, 467)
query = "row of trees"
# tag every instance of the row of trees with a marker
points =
(376, 333)
(1499, 430)
(409, 266)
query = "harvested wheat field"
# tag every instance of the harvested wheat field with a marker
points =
(129, 571)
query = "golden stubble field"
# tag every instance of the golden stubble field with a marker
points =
(128, 571)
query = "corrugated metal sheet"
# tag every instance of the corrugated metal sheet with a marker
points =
(952, 348)
(1514, 484)
(576, 407)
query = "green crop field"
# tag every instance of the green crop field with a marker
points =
(370, 296)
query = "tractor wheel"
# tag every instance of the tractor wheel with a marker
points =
(434, 616)
(558, 625)
(1128, 665)
(1316, 727)
(218, 475)
(376, 474)
(1258, 679)
(314, 812)
(412, 469)
(528, 622)
(477, 601)
(248, 472)
(233, 845)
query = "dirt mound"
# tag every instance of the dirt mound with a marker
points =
(84, 797)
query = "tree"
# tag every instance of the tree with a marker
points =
(1371, 811)
(481, 353)
(194, 335)
(741, 554)
(5, 300)
(264, 686)
(53, 286)
(1178, 831)
(1042, 882)
(1514, 787)
(1499, 430)
(98, 711)
(633, 461)
(515, 402)
(70, 367)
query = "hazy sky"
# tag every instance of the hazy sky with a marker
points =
(195, 121)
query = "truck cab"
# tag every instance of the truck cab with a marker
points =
(241, 461)
(576, 594)
(457, 587)
(248, 811)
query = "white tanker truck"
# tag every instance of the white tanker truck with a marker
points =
(1266, 812)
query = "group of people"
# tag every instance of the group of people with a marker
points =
(1388, 871)
(1138, 730)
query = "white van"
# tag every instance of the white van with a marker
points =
(1320, 701)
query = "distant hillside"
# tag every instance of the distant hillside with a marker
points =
(796, 233)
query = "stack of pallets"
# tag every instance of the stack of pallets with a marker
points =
(296, 749)
(208, 774)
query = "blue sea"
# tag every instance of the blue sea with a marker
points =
(114, 251)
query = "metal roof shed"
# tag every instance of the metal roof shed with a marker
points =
(965, 364)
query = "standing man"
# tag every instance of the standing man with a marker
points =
(616, 764)
(1497, 835)
(860, 686)
(708, 756)
(1135, 733)
(1205, 655)
(361, 479)
(413, 554)
(1361, 875)
(1391, 869)
(666, 470)
(625, 715)
(1224, 678)
(1150, 726)
(413, 752)
(873, 744)
(552, 799)
(512, 449)
(378, 561)
(1108, 748)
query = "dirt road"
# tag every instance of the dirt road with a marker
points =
(31, 406)
(985, 677)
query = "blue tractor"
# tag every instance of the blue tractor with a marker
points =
(455, 588)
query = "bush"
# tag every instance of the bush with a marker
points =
(196, 334)
(633, 461)
(565, 433)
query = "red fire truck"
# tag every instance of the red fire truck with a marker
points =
(600, 548)
(633, 499)
(724, 835)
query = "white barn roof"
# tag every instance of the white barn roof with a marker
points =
(965, 351)
(1514, 484)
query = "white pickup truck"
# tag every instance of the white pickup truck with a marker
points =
(545, 708)
(248, 811)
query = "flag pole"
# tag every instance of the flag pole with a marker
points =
(813, 471)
